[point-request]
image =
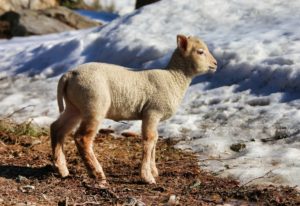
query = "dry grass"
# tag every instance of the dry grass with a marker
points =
(26, 175)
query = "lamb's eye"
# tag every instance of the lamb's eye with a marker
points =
(200, 51)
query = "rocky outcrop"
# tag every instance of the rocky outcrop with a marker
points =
(37, 22)
(69, 17)
(17, 5)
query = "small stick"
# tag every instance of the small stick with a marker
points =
(216, 159)
(14, 112)
(90, 203)
(255, 179)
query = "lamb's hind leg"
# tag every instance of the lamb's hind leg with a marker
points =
(150, 135)
(59, 129)
(84, 139)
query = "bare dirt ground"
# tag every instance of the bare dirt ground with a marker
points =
(27, 177)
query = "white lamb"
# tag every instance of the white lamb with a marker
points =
(95, 91)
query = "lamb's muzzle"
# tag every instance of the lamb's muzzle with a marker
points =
(95, 91)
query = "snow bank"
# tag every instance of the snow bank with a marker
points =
(252, 100)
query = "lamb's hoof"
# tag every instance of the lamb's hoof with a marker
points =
(63, 172)
(99, 177)
(147, 176)
(149, 179)
(103, 184)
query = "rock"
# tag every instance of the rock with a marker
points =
(69, 17)
(130, 134)
(21, 179)
(35, 142)
(197, 184)
(42, 4)
(27, 188)
(216, 198)
(141, 3)
(237, 147)
(45, 197)
(17, 5)
(106, 131)
(139, 203)
(38, 22)
(81, 4)
(173, 200)
(131, 201)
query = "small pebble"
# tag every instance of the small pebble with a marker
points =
(131, 201)
(21, 178)
(130, 134)
(237, 147)
(35, 142)
(106, 131)
(172, 200)
(27, 188)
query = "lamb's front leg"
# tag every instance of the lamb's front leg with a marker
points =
(154, 169)
(150, 135)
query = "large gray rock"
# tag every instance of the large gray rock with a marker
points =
(37, 22)
(69, 17)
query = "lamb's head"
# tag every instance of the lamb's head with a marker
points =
(196, 55)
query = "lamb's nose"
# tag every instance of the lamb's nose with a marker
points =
(216, 63)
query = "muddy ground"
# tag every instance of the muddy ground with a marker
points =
(27, 178)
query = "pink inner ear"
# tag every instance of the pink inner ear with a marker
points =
(182, 42)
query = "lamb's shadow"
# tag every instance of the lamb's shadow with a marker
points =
(12, 171)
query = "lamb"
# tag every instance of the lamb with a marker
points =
(95, 91)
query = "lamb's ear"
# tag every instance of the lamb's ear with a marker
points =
(182, 43)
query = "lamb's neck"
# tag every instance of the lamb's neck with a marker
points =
(179, 69)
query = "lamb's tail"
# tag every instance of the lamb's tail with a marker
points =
(61, 88)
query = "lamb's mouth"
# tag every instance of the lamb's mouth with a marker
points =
(213, 69)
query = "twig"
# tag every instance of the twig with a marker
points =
(216, 159)
(122, 122)
(14, 112)
(85, 203)
(211, 201)
(243, 185)
(3, 144)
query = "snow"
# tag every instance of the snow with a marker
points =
(253, 99)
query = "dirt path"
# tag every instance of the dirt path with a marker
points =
(27, 178)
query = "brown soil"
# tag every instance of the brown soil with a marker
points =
(27, 178)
